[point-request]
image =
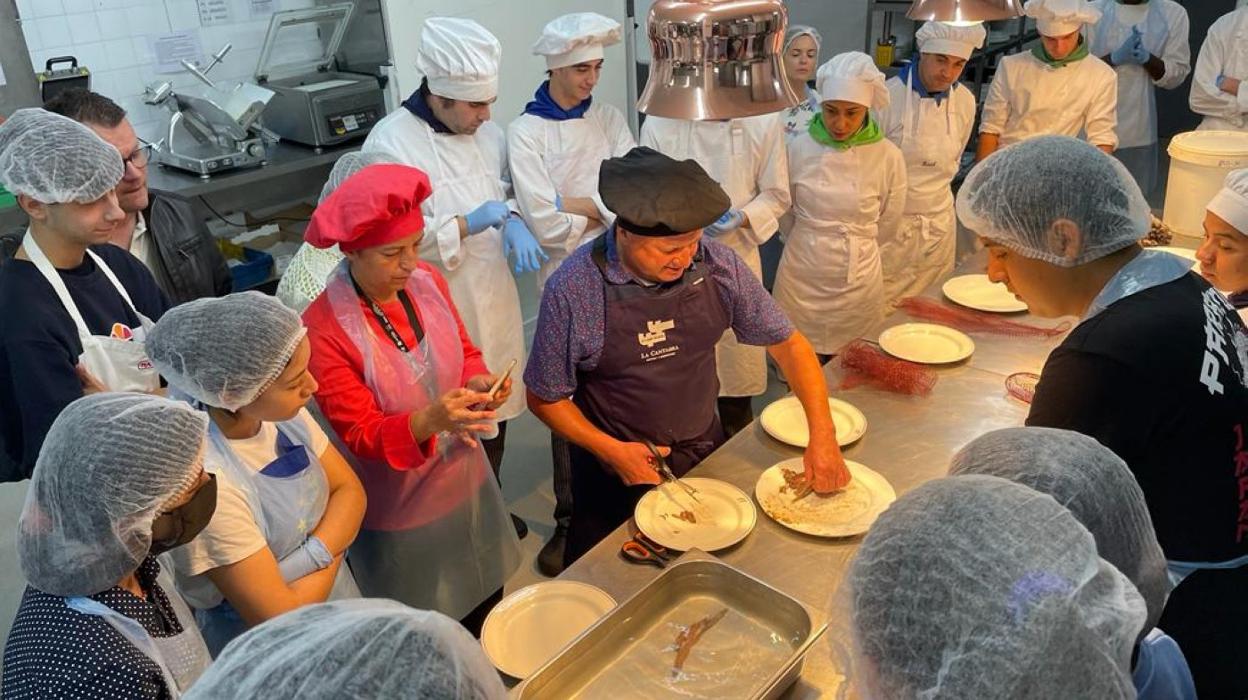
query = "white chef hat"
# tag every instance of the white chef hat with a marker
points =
(853, 77)
(1231, 203)
(950, 39)
(459, 58)
(1061, 17)
(576, 38)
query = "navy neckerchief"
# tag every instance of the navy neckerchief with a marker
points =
(544, 106)
(1239, 300)
(292, 458)
(917, 84)
(418, 105)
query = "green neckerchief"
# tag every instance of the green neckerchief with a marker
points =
(1080, 53)
(868, 133)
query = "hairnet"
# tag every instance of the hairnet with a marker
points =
(358, 648)
(348, 165)
(224, 352)
(796, 30)
(108, 464)
(853, 77)
(950, 39)
(1093, 483)
(1061, 17)
(459, 58)
(1231, 203)
(54, 159)
(576, 38)
(1014, 197)
(978, 587)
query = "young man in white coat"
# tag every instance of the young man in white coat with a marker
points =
(555, 149)
(1146, 43)
(1058, 88)
(747, 158)
(444, 129)
(1221, 66)
(930, 117)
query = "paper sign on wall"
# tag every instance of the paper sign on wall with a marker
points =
(171, 49)
(213, 12)
(261, 9)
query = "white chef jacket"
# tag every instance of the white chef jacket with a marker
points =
(1225, 52)
(1028, 97)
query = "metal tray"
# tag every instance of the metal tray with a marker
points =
(623, 656)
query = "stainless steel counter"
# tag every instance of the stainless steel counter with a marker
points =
(909, 440)
(284, 159)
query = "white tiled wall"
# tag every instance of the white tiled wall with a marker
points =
(111, 37)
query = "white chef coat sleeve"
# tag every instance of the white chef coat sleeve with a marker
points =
(1101, 124)
(773, 198)
(504, 173)
(649, 134)
(1177, 52)
(890, 119)
(1206, 98)
(966, 111)
(536, 192)
(892, 194)
(997, 104)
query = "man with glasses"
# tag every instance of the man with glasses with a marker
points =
(161, 229)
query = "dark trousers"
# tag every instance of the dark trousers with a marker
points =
(561, 460)
(494, 450)
(1207, 615)
(735, 413)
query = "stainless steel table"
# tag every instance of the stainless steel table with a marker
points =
(284, 159)
(909, 440)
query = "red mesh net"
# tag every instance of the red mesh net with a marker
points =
(1022, 385)
(971, 321)
(864, 363)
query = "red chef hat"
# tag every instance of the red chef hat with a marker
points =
(378, 205)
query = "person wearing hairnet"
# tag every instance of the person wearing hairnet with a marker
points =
(1223, 255)
(555, 149)
(1099, 490)
(353, 649)
(86, 305)
(1056, 88)
(930, 117)
(849, 192)
(120, 480)
(304, 278)
(288, 503)
(978, 587)
(1145, 41)
(628, 329)
(801, 58)
(444, 129)
(1154, 370)
(409, 394)
(747, 158)
(1220, 68)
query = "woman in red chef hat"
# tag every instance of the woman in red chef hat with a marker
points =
(407, 392)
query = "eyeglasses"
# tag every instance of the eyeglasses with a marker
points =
(140, 156)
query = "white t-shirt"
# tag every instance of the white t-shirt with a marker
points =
(233, 533)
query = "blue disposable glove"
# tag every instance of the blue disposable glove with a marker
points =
(488, 215)
(1219, 80)
(559, 201)
(311, 557)
(1130, 50)
(732, 220)
(518, 240)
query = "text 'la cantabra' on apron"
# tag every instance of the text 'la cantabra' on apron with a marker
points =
(436, 536)
(657, 338)
(287, 499)
(182, 657)
(120, 364)
(481, 283)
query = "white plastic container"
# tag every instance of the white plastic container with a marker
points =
(1199, 162)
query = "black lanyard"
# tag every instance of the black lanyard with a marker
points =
(385, 322)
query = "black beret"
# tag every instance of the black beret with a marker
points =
(653, 195)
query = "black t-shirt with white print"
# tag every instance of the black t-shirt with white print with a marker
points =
(1159, 378)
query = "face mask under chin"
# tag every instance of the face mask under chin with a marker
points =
(180, 525)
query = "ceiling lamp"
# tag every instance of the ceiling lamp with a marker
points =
(965, 10)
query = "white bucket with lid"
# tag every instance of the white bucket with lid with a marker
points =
(1199, 163)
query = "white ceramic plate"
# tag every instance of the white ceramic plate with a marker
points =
(982, 294)
(927, 343)
(724, 516)
(532, 625)
(1185, 253)
(785, 421)
(843, 514)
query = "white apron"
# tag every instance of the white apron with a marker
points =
(478, 275)
(747, 158)
(182, 658)
(830, 281)
(119, 364)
